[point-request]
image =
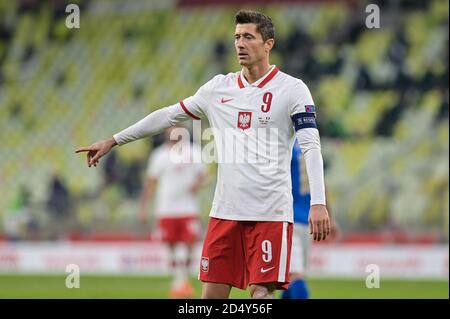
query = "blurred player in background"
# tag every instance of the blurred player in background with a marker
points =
(301, 241)
(248, 241)
(176, 179)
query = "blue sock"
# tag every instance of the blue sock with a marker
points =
(297, 290)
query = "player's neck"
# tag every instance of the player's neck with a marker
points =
(255, 72)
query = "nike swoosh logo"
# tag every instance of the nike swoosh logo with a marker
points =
(225, 100)
(266, 270)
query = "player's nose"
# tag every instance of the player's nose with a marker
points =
(239, 43)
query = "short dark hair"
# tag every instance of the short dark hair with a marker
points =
(263, 22)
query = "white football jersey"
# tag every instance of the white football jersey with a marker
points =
(176, 173)
(254, 133)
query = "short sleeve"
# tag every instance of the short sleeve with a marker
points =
(301, 99)
(196, 105)
(302, 109)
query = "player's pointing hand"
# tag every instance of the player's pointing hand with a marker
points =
(97, 150)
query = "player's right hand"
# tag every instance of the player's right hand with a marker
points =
(97, 150)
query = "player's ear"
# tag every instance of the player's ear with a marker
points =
(269, 44)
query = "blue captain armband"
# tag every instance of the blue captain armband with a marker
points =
(304, 120)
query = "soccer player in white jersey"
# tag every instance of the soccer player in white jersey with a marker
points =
(248, 240)
(176, 179)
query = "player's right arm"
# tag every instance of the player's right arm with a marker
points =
(193, 107)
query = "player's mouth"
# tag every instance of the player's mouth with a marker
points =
(242, 55)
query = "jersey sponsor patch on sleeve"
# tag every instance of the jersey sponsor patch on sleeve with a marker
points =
(310, 109)
(304, 120)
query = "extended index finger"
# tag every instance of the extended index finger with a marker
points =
(83, 149)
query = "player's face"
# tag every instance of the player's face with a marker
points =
(249, 44)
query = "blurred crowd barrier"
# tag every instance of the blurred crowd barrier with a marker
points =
(344, 260)
(381, 95)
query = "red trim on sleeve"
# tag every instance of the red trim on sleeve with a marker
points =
(241, 85)
(187, 111)
(269, 77)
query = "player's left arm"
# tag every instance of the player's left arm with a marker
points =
(304, 119)
(319, 221)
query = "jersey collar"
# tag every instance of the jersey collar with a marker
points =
(242, 82)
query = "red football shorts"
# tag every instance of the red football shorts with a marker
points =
(242, 253)
(179, 229)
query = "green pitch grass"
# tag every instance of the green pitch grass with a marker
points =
(17, 286)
